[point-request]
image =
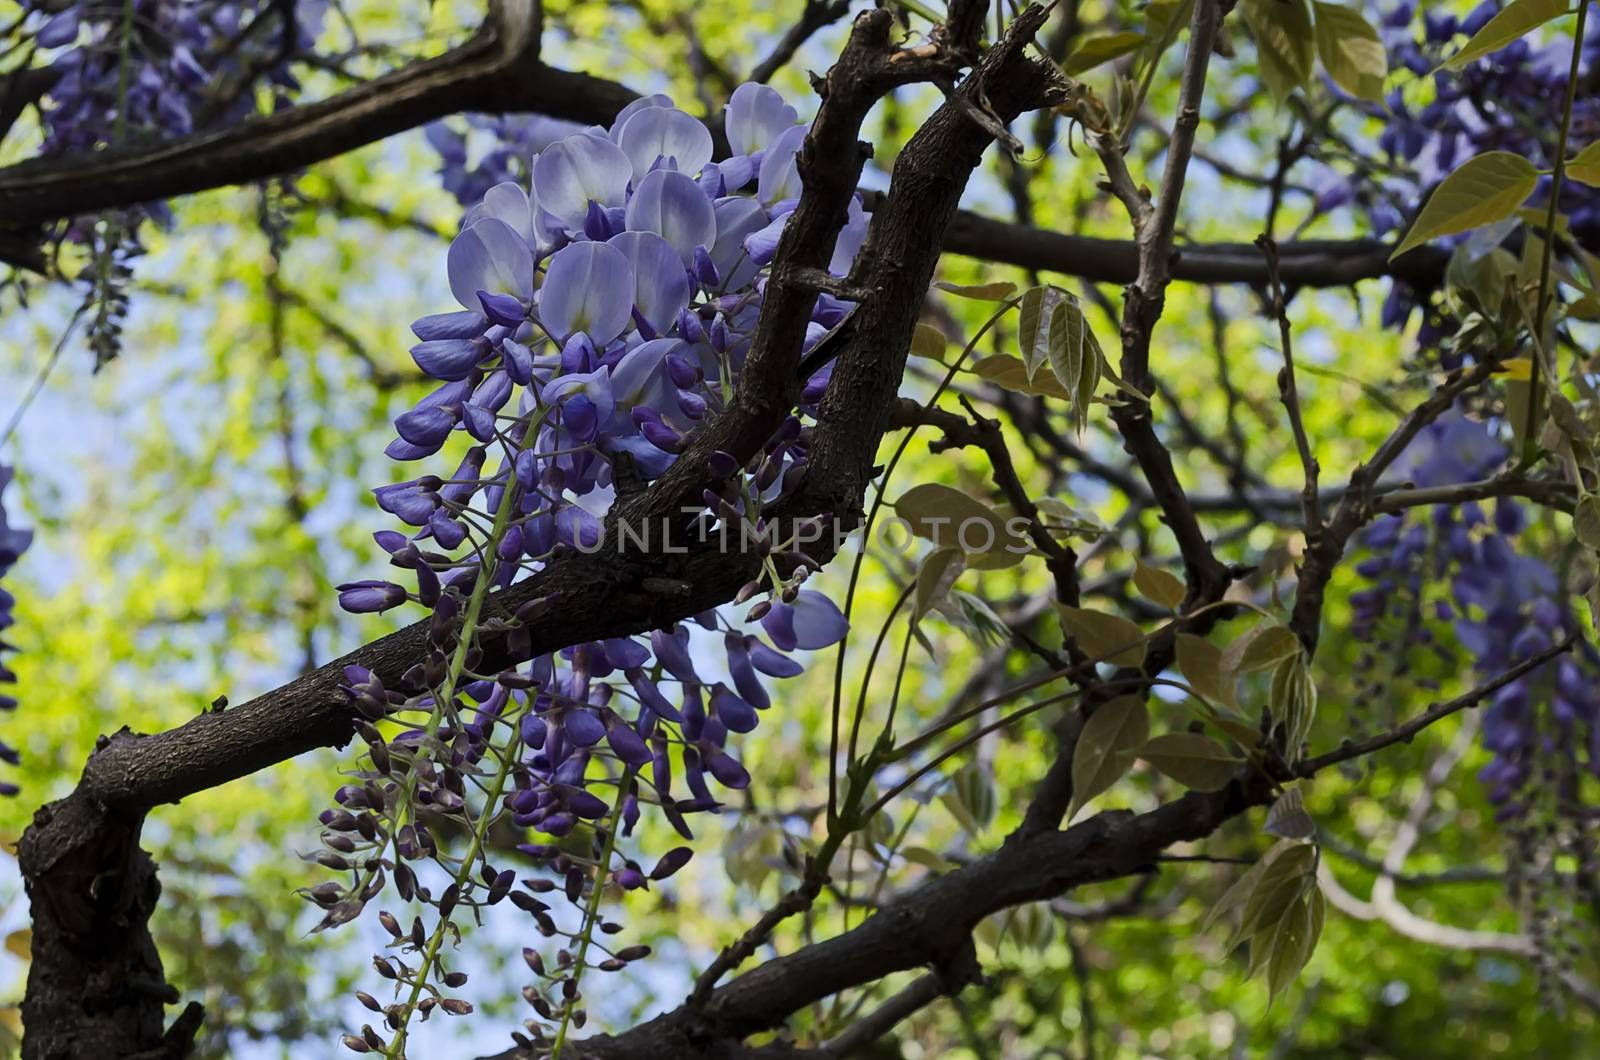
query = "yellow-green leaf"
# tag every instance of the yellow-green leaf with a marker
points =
(1279, 886)
(1285, 42)
(928, 341)
(939, 570)
(1351, 51)
(1097, 50)
(1194, 761)
(1513, 21)
(1586, 166)
(1103, 637)
(952, 519)
(1201, 663)
(1106, 748)
(1261, 648)
(997, 291)
(1009, 372)
(1158, 586)
(1482, 191)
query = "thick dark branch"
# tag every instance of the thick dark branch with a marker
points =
(930, 926)
(497, 70)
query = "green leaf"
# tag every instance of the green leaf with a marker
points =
(1158, 586)
(1284, 881)
(970, 798)
(1586, 166)
(928, 341)
(1285, 42)
(1586, 520)
(1351, 51)
(1097, 50)
(952, 519)
(1294, 941)
(1010, 373)
(998, 291)
(1236, 896)
(1065, 348)
(1103, 637)
(1513, 21)
(1035, 318)
(1201, 663)
(1260, 648)
(1482, 191)
(939, 570)
(1194, 761)
(1106, 748)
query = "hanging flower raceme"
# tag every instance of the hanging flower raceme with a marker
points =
(182, 66)
(1502, 607)
(13, 542)
(605, 310)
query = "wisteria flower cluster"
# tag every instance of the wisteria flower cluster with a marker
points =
(492, 149)
(156, 69)
(1501, 102)
(13, 542)
(606, 311)
(1503, 608)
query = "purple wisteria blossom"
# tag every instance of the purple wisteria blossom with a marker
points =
(1501, 606)
(605, 310)
(183, 66)
(13, 543)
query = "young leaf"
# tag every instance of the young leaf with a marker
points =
(939, 571)
(1236, 896)
(1288, 818)
(1201, 663)
(1513, 21)
(1279, 886)
(1293, 942)
(997, 291)
(1260, 648)
(928, 341)
(1158, 586)
(1293, 700)
(1065, 348)
(951, 519)
(1351, 51)
(1097, 50)
(1483, 190)
(1035, 318)
(1586, 166)
(1285, 42)
(1106, 747)
(1103, 637)
(1192, 760)
(1005, 371)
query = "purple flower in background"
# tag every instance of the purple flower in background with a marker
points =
(186, 67)
(1501, 102)
(1502, 608)
(13, 543)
